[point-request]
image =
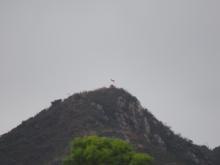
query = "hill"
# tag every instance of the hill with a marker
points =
(111, 112)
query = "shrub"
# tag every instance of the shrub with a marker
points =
(93, 150)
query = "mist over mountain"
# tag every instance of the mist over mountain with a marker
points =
(111, 112)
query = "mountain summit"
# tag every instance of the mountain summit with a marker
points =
(110, 112)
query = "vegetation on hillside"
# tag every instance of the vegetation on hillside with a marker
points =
(94, 150)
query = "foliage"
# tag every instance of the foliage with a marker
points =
(93, 150)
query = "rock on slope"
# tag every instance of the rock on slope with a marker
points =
(111, 112)
(216, 155)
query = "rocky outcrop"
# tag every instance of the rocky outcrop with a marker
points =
(216, 155)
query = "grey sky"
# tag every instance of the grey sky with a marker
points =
(167, 53)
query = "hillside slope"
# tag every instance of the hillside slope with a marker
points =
(112, 112)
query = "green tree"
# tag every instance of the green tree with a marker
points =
(93, 150)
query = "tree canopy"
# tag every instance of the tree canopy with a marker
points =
(94, 150)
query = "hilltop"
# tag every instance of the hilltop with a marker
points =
(111, 112)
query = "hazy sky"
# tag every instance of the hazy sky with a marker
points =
(165, 52)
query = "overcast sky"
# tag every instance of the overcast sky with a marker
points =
(166, 53)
